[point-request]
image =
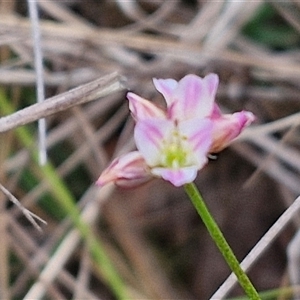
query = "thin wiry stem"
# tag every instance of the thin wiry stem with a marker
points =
(28, 214)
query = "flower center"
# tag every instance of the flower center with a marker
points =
(174, 154)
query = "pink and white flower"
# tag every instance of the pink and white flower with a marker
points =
(174, 143)
(172, 151)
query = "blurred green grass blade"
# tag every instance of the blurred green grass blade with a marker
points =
(268, 28)
(29, 181)
(66, 201)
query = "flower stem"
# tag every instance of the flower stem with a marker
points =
(220, 241)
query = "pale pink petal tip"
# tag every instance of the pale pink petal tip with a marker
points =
(227, 127)
(166, 87)
(129, 170)
(250, 117)
(142, 109)
(177, 177)
(195, 97)
(212, 81)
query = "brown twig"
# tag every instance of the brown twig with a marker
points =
(85, 93)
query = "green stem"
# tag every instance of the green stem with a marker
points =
(220, 241)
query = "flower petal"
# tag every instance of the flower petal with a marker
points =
(149, 135)
(216, 113)
(129, 170)
(142, 109)
(198, 133)
(194, 96)
(166, 87)
(227, 127)
(211, 81)
(177, 177)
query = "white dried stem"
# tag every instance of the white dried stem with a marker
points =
(39, 70)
